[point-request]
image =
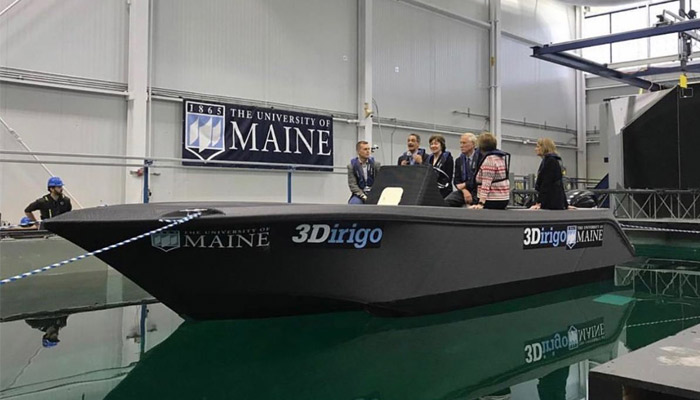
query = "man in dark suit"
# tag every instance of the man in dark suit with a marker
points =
(415, 154)
(465, 170)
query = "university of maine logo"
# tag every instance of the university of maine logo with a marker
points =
(204, 136)
(571, 236)
(166, 240)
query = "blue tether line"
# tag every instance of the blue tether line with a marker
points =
(102, 250)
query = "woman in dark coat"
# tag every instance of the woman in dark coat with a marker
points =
(549, 184)
(442, 161)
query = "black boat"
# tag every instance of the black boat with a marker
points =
(241, 260)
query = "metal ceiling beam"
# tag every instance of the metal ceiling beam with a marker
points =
(666, 70)
(617, 37)
(572, 61)
(648, 61)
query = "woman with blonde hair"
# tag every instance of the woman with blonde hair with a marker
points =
(549, 185)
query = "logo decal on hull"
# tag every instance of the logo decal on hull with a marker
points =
(166, 240)
(338, 235)
(565, 236)
(244, 238)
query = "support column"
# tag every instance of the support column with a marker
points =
(364, 70)
(495, 69)
(582, 150)
(137, 106)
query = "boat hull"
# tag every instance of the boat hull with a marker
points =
(260, 260)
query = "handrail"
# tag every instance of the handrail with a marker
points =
(681, 204)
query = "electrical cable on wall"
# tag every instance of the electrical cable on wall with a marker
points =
(381, 137)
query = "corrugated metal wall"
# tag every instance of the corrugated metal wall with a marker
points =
(428, 71)
(599, 90)
(535, 91)
(72, 37)
(302, 53)
(52, 120)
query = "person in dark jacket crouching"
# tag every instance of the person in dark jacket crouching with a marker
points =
(549, 184)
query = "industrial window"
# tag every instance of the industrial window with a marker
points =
(605, 20)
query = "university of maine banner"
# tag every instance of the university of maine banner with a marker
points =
(230, 132)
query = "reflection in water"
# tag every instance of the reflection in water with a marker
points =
(96, 350)
(50, 327)
(534, 348)
(479, 352)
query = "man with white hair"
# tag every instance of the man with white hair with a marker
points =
(464, 173)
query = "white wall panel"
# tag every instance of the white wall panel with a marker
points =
(476, 9)
(66, 122)
(84, 38)
(597, 168)
(302, 53)
(532, 134)
(536, 90)
(524, 161)
(426, 65)
(544, 21)
(594, 98)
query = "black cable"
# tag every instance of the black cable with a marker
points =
(678, 133)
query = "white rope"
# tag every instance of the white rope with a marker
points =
(663, 322)
(102, 250)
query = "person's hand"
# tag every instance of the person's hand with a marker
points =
(417, 158)
(404, 162)
(467, 197)
(461, 186)
(571, 208)
(477, 206)
(536, 206)
(363, 198)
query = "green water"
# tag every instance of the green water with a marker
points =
(665, 245)
(515, 349)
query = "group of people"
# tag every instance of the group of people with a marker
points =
(479, 174)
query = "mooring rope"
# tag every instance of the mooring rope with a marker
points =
(663, 322)
(653, 228)
(102, 250)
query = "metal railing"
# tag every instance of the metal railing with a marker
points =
(651, 204)
(669, 278)
(637, 203)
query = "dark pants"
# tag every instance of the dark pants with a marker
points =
(355, 200)
(456, 199)
(496, 204)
